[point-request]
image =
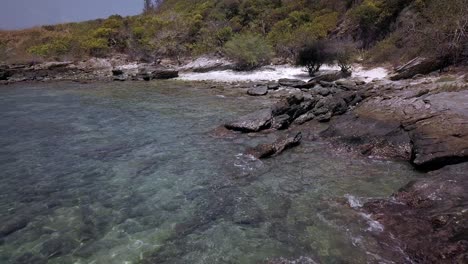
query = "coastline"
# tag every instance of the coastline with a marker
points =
(415, 120)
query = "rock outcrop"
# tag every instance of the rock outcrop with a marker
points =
(430, 216)
(263, 151)
(417, 66)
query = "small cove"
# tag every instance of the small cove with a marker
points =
(128, 173)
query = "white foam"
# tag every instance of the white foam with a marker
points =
(274, 73)
(353, 201)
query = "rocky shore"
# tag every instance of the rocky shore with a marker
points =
(422, 120)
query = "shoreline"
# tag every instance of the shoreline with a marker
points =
(423, 121)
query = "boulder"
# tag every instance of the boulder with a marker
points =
(273, 149)
(117, 72)
(273, 86)
(417, 66)
(281, 121)
(4, 74)
(206, 64)
(304, 118)
(253, 122)
(330, 76)
(164, 74)
(258, 91)
(295, 83)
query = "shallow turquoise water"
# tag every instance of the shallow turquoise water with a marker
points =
(128, 173)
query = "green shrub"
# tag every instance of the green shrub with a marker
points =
(249, 51)
(313, 56)
(96, 46)
(53, 48)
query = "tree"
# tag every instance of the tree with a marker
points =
(148, 6)
(313, 56)
(249, 51)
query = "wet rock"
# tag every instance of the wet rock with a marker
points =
(253, 122)
(268, 150)
(338, 106)
(350, 97)
(273, 86)
(291, 82)
(14, 224)
(324, 117)
(418, 65)
(58, 246)
(281, 121)
(258, 91)
(304, 118)
(322, 91)
(370, 136)
(430, 216)
(301, 260)
(330, 76)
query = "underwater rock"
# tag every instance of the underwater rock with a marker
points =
(263, 151)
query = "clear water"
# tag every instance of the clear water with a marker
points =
(128, 173)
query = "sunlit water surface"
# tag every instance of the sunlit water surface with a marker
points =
(128, 173)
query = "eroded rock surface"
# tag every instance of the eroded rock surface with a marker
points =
(263, 151)
(430, 216)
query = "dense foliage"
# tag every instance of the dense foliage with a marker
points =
(172, 28)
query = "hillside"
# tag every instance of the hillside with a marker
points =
(384, 31)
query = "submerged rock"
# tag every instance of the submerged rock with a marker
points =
(263, 151)
(14, 224)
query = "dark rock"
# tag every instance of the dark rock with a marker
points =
(164, 74)
(12, 225)
(325, 84)
(4, 74)
(330, 76)
(268, 150)
(306, 85)
(258, 91)
(253, 122)
(281, 121)
(273, 86)
(291, 82)
(304, 118)
(280, 107)
(322, 91)
(417, 66)
(117, 72)
(429, 216)
(369, 136)
(338, 106)
(324, 117)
